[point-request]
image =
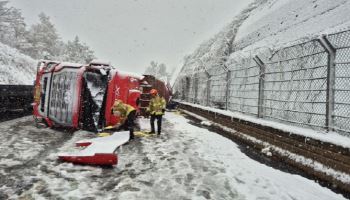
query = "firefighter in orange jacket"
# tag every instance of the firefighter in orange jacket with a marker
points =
(156, 108)
(127, 115)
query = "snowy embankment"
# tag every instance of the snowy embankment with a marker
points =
(269, 24)
(185, 162)
(15, 67)
(278, 22)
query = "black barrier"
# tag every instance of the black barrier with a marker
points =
(15, 101)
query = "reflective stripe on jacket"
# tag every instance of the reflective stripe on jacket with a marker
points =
(156, 105)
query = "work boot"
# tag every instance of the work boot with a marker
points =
(132, 136)
(152, 132)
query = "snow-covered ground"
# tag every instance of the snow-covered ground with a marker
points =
(15, 67)
(185, 162)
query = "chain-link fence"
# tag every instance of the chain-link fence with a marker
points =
(341, 114)
(243, 85)
(296, 84)
(307, 84)
(217, 85)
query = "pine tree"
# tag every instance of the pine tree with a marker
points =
(12, 26)
(41, 41)
(78, 52)
(43, 38)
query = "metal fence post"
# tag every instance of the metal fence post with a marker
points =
(195, 88)
(187, 89)
(227, 92)
(330, 81)
(183, 89)
(208, 88)
(261, 85)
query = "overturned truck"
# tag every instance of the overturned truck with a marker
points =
(76, 96)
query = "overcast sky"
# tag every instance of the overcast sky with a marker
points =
(131, 33)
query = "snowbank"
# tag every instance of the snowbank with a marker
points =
(15, 67)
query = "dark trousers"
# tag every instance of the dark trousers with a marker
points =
(159, 123)
(130, 123)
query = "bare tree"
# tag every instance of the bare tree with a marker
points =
(159, 70)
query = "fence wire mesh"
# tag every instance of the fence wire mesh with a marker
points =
(217, 85)
(296, 85)
(293, 86)
(202, 96)
(341, 115)
(243, 85)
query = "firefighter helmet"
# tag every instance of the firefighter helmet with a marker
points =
(154, 92)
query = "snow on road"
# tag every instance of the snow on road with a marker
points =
(185, 162)
(22, 148)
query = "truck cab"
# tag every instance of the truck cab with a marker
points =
(80, 96)
(56, 87)
(76, 96)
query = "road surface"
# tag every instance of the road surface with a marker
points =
(185, 162)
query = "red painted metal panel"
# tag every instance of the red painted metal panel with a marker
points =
(97, 159)
(123, 87)
(77, 103)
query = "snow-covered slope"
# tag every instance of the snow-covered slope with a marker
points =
(277, 22)
(270, 23)
(265, 29)
(214, 51)
(15, 67)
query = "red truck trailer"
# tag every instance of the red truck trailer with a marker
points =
(80, 96)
